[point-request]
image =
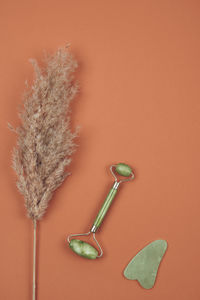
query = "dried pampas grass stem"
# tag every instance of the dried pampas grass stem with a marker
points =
(34, 257)
(45, 141)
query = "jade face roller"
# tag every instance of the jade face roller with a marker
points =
(84, 249)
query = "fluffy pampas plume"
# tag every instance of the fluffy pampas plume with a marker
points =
(45, 141)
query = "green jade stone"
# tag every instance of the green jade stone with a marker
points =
(83, 249)
(144, 266)
(123, 169)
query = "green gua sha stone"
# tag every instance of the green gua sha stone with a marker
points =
(144, 266)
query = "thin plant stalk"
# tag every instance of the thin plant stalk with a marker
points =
(34, 256)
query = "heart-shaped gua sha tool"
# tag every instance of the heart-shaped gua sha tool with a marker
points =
(144, 266)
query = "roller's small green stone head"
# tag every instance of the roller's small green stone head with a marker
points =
(123, 169)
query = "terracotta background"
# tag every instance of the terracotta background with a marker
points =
(139, 103)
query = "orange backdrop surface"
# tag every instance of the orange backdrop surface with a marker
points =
(139, 103)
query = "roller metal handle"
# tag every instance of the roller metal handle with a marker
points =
(123, 170)
(107, 203)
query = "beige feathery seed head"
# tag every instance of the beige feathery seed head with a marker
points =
(45, 141)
